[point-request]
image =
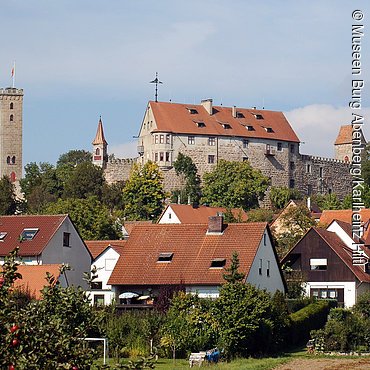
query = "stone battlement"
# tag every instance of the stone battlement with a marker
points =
(11, 91)
(122, 161)
(307, 157)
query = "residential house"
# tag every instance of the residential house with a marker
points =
(189, 214)
(194, 256)
(105, 254)
(326, 258)
(46, 239)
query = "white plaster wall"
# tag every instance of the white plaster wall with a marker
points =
(108, 296)
(105, 264)
(204, 291)
(273, 282)
(349, 289)
(169, 217)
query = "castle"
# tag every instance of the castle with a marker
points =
(209, 133)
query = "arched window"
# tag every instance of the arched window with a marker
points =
(11, 106)
(11, 118)
(12, 177)
(13, 159)
(97, 151)
(8, 159)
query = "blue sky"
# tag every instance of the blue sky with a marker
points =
(77, 60)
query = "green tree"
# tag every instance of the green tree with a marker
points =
(234, 185)
(8, 202)
(260, 215)
(232, 274)
(86, 180)
(44, 334)
(112, 195)
(280, 196)
(143, 194)
(91, 218)
(185, 167)
(327, 201)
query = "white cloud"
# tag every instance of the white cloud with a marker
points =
(317, 126)
(124, 150)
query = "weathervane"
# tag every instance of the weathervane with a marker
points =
(156, 82)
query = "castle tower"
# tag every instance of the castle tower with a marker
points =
(344, 141)
(11, 110)
(100, 153)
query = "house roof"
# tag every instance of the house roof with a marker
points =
(13, 226)
(33, 277)
(193, 250)
(344, 135)
(99, 137)
(129, 225)
(344, 253)
(187, 214)
(345, 227)
(97, 247)
(176, 118)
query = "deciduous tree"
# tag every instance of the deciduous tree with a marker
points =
(8, 203)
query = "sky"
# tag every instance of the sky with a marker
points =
(77, 60)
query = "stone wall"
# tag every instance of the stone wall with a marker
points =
(342, 151)
(118, 169)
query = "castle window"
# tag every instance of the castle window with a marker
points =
(292, 165)
(291, 183)
(161, 156)
(156, 157)
(308, 168)
(279, 147)
(211, 159)
(212, 141)
(161, 139)
(292, 148)
(13, 159)
(320, 172)
(309, 189)
(168, 139)
(191, 140)
(245, 143)
(97, 151)
(11, 106)
(167, 156)
(8, 159)
(11, 118)
(155, 139)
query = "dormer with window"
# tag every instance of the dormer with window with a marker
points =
(269, 129)
(239, 115)
(200, 124)
(165, 257)
(258, 116)
(249, 128)
(192, 110)
(226, 126)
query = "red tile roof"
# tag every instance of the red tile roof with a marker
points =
(176, 118)
(188, 214)
(193, 250)
(344, 253)
(344, 135)
(97, 247)
(33, 277)
(14, 225)
(99, 137)
(129, 225)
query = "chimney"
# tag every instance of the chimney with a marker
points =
(215, 224)
(207, 104)
(233, 111)
(309, 203)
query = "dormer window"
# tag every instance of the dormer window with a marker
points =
(28, 234)
(218, 263)
(192, 111)
(258, 116)
(269, 129)
(200, 124)
(226, 126)
(165, 257)
(3, 234)
(239, 115)
(249, 128)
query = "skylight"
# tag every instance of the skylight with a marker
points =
(218, 263)
(29, 234)
(165, 257)
(2, 235)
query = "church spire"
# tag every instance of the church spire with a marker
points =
(100, 153)
(99, 137)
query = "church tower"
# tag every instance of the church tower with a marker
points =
(11, 111)
(100, 153)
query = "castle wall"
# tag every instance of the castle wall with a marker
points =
(118, 169)
(342, 151)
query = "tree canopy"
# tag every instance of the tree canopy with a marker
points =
(280, 196)
(8, 202)
(234, 185)
(143, 194)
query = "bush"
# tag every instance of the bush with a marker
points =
(313, 316)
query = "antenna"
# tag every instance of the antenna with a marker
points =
(156, 82)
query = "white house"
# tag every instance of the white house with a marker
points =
(46, 239)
